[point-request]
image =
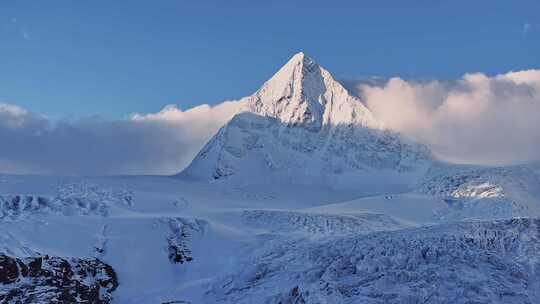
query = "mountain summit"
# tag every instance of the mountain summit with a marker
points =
(303, 125)
(302, 93)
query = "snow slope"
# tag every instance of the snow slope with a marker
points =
(180, 240)
(170, 242)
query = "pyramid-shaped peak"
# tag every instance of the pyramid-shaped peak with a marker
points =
(298, 56)
(303, 93)
(307, 64)
(300, 123)
(301, 57)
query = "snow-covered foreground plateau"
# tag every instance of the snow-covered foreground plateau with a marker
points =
(302, 197)
(170, 240)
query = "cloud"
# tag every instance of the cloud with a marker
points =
(476, 119)
(25, 34)
(526, 27)
(14, 27)
(159, 143)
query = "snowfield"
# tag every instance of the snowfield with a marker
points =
(182, 240)
(464, 262)
(303, 197)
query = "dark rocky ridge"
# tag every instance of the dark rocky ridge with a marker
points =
(49, 279)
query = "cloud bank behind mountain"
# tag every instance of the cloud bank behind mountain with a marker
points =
(475, 119)
(157, 143)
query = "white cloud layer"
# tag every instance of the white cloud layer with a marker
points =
(159, 143)
(475, 119)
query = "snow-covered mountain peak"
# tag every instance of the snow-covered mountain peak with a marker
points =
(303, 93)
(303, 125)
(298, 63)
(300, 58)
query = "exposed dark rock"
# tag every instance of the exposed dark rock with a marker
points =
(179, 253)
(9, 271)
(293, 297)
(56, 280)
(180, 231)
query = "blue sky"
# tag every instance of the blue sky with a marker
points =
(112, 58)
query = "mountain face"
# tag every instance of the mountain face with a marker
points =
(303, 125)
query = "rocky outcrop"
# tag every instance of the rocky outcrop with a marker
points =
(47, 279)
(180, 232)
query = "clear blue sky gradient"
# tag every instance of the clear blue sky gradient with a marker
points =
(80, 58)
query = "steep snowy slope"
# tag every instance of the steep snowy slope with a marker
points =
(303, 126)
